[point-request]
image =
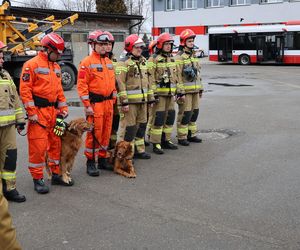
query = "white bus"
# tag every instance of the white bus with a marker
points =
(278, 43)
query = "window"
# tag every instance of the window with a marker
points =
(119, 37)
(239, 2)
(79, 37)
(297, 40)
(170, 30)
(170, 4)
(188, 4)
(214, 3)
(271, 1)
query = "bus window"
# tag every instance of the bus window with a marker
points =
(297, 40)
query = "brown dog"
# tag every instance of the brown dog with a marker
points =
(121, 158)
(70, 144)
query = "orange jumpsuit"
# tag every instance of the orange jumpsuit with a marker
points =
(42, 94)
(96, 88)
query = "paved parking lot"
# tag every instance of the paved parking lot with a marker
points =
(239, 189)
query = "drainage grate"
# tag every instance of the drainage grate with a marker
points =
(218, 134)
(74, 103)
(229, 84)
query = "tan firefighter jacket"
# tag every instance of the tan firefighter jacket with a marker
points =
(133, 81)
(163, 72)
(10, 105)
(190, 71)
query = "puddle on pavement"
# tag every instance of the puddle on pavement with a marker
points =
(218, 134)
(229, 84)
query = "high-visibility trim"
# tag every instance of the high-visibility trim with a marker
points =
(90, 150)
(95, 65)
(136, 96)
(56, 162)
(122, 93)
(109, 66)
(139, 142)
(193, 128)
(84, 97)
(9, 175)
(166, 90)
(150, 92)
(7, 112)
(29, 104)
(5, 82)
(136, 91)
(192, 87)
(121, 68)
(43, 71)
(7, 118)
(183, 130)
(57, 71)
(113, 137)
(114, 94)
(103, 148)
(156, 131)
(62, 104)
(18, 111)
(36, 165)
(168, 130)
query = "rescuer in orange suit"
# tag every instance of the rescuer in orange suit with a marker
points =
(97, 91)
(43, 98)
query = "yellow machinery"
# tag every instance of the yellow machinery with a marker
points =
(20, 41)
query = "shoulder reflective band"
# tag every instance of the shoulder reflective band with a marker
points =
(43, 71)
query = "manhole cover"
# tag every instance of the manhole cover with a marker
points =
(218, 134)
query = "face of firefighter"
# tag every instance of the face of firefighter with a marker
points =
(137, 51)
(167, 47)
(1, 59)
(190, 43)
(109, 47)
(101, 48)
(53, 56)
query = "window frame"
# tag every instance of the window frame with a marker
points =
(221, 4)
(173, 5)
(194, 5)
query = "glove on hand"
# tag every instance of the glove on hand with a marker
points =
(60, 126)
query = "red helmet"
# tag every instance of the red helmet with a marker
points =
(164, 37)
(2, 46)
(151, 46)
(133, 40)
(186, 34)
(53, 42)
(111, 37)
(92, 37)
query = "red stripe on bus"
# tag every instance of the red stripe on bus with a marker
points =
(291, 59)
(199, 30)
(213, 58)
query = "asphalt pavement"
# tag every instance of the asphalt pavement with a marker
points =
(239, 189)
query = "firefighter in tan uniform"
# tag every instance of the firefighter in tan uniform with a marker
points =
(11, 117)
(163, 74)
(134, 94)
(189, 75)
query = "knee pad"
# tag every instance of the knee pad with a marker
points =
(130, 133)
(159, 118)
(141, 130)
(10, 163)
(186, 117)
(195, 115)
(171, 117)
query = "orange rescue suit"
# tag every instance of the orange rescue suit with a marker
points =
(96, 88)
(42, 94)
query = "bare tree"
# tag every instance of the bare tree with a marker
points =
(79, 5)
(45, 4)
(139, 7)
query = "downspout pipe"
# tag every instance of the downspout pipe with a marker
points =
(132, 26)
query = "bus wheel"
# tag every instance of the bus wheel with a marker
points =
(68, 77)
(244, 60)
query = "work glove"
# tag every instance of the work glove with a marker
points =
(20, 126)
(60, 126)
(33, 118)
(89, 111)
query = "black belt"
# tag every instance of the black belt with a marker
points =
(99, 98)
(43, 102)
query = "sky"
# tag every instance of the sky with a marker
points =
(56, 5)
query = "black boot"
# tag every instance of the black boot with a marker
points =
(147, 143)
(193, 138)
(157, 149)
(142, 155)
(57, 180)
(103, 164)
(169, 145)
(183, 142)
(13, 195)
(91, 168)
(40, 186)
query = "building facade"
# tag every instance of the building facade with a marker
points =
(176, 15)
